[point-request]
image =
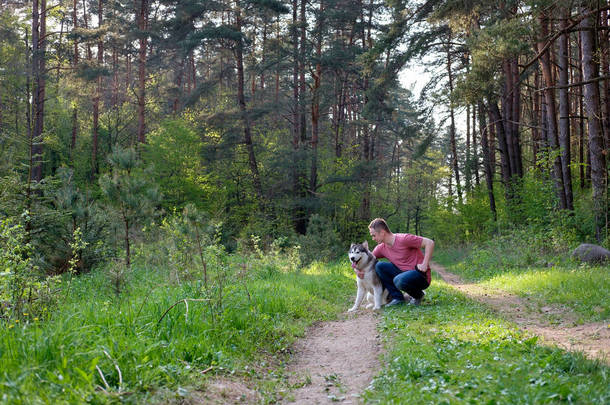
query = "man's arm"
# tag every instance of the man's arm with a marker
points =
(428, 245)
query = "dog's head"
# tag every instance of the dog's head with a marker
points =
(359, 254)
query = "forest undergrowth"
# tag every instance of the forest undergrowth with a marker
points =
(155, 331)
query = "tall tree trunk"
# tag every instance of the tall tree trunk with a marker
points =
(86, 25)
(596, 145)
(74, 66)
(296, 120)
(475, 149)
(502, 146)
(605, 59)
(299, 182)
(38, 76)
(564, 113)
(492, 142)
(241, 100)
(467, 167)
(315, 103)
(98, 93)
(486, 161)
(75, 26)
(452, 134)
(302, 48)
(516, 117)
(142, 19)
(536, 125)
(507, 115)
(549, 94)
(263, 52)
(581, 121)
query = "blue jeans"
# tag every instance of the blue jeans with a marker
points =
(394, 280)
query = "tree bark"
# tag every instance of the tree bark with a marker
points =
(564, 115)
(605, 59)
(467, 168)
(38, 94)
(535, 119)
(475, 148)
(502, 145)
(98, 93)
(516, 117)
(486, 161)
(454, 157)
(551, 109)
(596, 144)
(507, 115)
(315, 103)
(142, 20)
(74, 66)
(241, 100)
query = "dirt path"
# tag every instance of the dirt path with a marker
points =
(335, 361)
(593, 339)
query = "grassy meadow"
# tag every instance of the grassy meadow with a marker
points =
(528, 267)
(452, 350)
(252, 309)
(158, 332)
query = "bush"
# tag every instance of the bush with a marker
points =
(24, 292)
(321, 242)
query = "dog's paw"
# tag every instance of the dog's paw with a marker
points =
(369, 306)
(377, 309)
(352, 309)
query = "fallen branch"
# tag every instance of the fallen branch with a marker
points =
(103, 379)
(185, 300)
(116, 366)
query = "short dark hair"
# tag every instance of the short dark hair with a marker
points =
(378, 224)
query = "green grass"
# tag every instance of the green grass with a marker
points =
(584, 289)
(55, 361)
(452, 350)
(529, 270)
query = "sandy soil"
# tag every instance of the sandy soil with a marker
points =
(555, 324)
(336, 361)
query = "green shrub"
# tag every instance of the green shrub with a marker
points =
(24, 291)
(321, 242)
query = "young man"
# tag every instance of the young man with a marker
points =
(408, 269)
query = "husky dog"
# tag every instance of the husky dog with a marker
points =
(362, 259)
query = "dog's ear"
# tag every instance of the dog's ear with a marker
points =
(351, 246)
(365, 244)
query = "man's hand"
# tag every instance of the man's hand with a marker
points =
(419, 268)
(359, 273)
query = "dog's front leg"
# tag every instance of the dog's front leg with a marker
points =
(359, 296)
(378, 295)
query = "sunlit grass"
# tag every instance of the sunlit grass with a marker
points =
(147, 357)
(453, 350)
(584, 289)
(521, 265)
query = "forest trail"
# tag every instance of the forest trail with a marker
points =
(334, 363)
(555, 324)
(336, 360)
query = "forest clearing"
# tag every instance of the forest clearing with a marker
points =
(182, 183)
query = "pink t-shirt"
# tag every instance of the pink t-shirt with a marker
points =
(405, 253)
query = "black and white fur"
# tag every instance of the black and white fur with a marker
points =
(362, 259)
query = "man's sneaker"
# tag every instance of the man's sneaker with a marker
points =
(395, 302)
(417, 301)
